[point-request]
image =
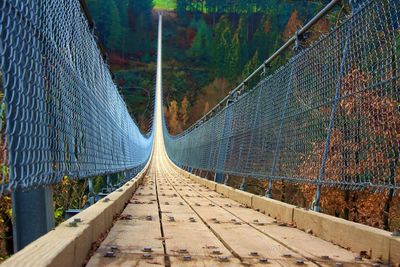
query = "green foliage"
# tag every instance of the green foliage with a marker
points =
(207, 40)
(121, 23)
(201, 46)
(253, 63)
(98, 183)
(222, 45)
(165, 4)
(68, 194)
(58, 213)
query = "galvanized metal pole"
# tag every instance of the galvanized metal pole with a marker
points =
(92, 199)
(226, 179)
(243, 185)
(219, 173)
(33, 215)
(316, 206)
(268, 192)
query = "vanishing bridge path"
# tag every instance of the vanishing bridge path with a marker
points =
(172, 220)
(327, 118)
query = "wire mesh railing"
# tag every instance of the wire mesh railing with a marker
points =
(63, 113)
(330, 116)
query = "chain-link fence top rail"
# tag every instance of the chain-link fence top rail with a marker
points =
(330, 115)
(64, 115)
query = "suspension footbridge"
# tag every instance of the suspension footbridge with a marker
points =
(64, 116)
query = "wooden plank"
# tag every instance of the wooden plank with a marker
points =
(130, 235)
(309, 246)
(244, 240)
(187, 235)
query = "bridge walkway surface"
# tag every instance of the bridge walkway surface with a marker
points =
(173, 221)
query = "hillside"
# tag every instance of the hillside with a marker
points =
(209, 47)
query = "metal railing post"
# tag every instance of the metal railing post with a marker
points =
(91, 194)
(299, 38)
(226, 179)
(109, 185)
(268, 192)
(243, 185)
(33, 215)
(219, 174)
(316, 204)
(254, 123)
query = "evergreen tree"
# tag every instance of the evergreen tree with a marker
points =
(253, 64)
(201, 45)
(222, 45)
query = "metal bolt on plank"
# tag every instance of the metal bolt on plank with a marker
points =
(223, 258)
(147, 255)
(109, 254)
(396, 233)
(187, 258)
(72, 224)
(147, 249)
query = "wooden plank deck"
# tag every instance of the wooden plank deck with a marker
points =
(172, 221)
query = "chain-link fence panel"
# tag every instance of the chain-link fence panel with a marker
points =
(329, 116)
(63, 114)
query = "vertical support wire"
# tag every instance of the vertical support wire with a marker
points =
(282, 120)
(316, 205)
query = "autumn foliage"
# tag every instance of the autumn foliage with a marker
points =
(364, 148)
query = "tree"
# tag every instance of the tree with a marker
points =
(173, 122)
(113, 41)
(221, 44)
(184, 111)
(201, 46)
(253, 63)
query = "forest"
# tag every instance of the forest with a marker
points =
(209, 47)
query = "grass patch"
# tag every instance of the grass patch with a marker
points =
(165, 4)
